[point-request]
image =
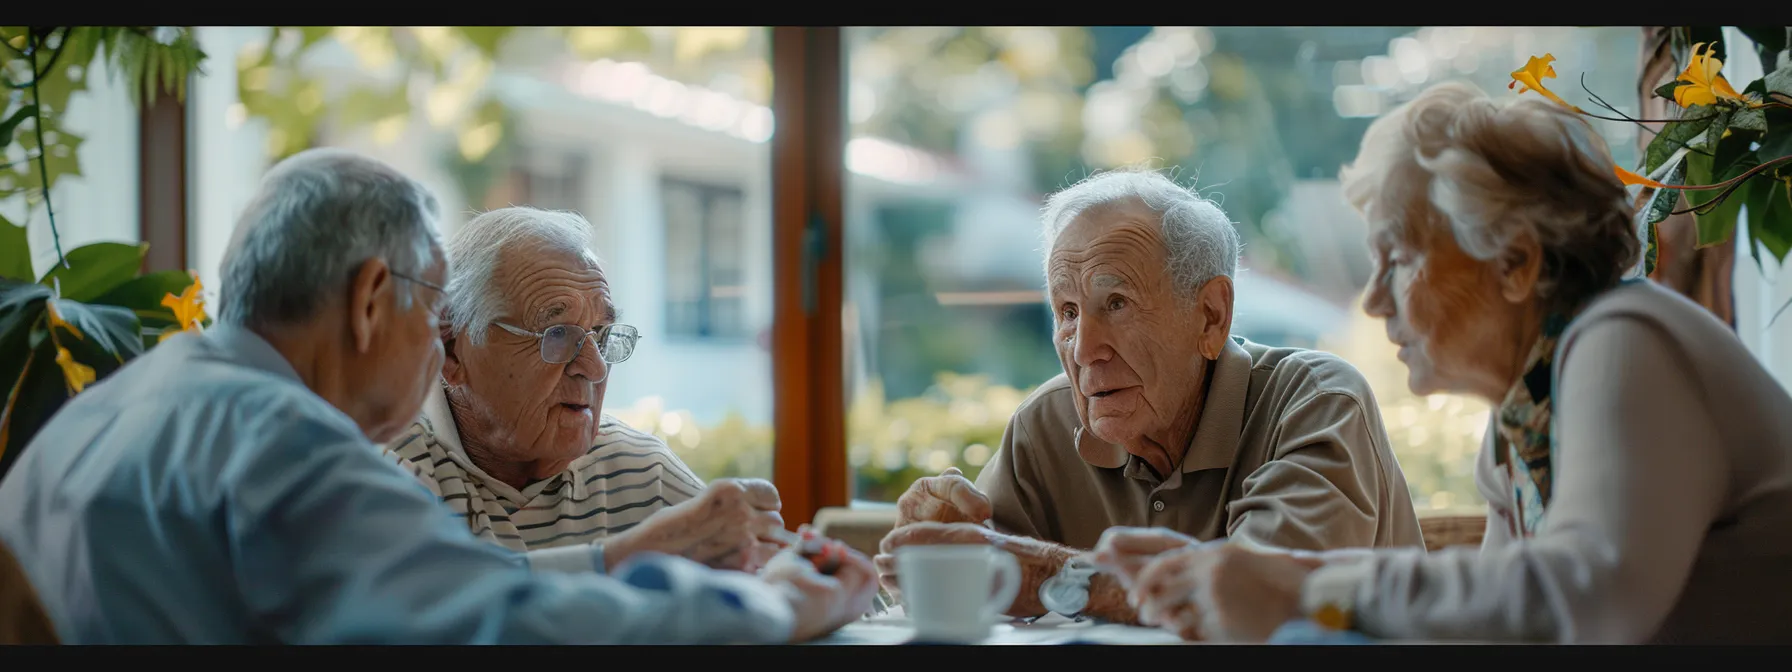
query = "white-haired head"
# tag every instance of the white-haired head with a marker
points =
(477, 248)
(1202, 243)
(316, 219)
(1491, 173)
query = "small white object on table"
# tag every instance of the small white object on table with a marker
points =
(893, 628)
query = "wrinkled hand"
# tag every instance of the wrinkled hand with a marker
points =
(730, 525)
(823, 603)
(1123, 551)
(1220, 592)
(946, 498)
(924, 534)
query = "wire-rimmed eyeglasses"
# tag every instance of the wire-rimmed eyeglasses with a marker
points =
(561, 343)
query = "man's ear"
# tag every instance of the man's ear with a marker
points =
(370, 303)
(1214, 304)
(452, 373)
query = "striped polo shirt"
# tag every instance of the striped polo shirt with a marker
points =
(626, 477)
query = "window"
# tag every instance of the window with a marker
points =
(581, 118)
(544, 179)
(705, 264)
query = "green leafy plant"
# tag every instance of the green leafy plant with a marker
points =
(1726, 150)
(95, 309)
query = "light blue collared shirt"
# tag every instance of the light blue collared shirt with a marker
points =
(203, 494)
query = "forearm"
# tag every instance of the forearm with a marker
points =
(1041, 560)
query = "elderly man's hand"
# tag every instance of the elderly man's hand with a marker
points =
(732, 524)
(1123, 551)
(1221, 592)
(1038, 560)
(946, 498)
(823, 603)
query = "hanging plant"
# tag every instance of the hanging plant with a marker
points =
(1729, 148)
(94, 310)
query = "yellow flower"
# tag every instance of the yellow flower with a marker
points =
(1702, 83)
(1531, 76)
(57, 321)
(76, 374)
(1628, 177)
(189, 309)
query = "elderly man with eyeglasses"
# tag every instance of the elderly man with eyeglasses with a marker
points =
(514, 439)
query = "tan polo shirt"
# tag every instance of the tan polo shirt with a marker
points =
(1289, 452)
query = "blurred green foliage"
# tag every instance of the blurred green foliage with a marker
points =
(94, 309)
(959, 422)
(442, 74)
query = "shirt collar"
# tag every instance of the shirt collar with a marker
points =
(441, 421)
(1216, 435)
(250, 349)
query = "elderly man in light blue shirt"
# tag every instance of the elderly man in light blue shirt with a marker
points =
(223, 487)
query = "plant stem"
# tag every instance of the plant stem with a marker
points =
(1606, 105)
(55, 54)
(1729, 186)
(43, 163)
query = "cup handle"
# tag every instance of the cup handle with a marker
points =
(1007, 575)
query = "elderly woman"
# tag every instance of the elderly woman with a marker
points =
(514, 438)
(1638, 468)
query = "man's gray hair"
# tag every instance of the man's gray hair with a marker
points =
(474, 299)
(1202, 243)
(316, 218)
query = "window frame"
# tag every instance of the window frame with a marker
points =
(809, 463)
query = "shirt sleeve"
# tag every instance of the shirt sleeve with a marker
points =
(1322, 487)
(1497, 490)
(333, 545)
(1630, 506)
(1016, 502)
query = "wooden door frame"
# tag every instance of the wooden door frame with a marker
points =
(808, 178)
(162, 182)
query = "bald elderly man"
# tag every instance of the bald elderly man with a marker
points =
(1161, 418)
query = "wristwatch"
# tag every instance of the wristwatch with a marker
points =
(1328, 596)
(1067, 592)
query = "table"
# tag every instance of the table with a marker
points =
(893, 628)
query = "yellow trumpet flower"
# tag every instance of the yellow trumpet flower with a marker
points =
(1628, 177)
(188, 308)
(1531, 76)
(75, 374)
(1702, 82)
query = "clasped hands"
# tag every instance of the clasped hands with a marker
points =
(736, 524)
(948, 509)
(1213, 591)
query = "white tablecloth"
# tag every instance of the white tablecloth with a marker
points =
(893, 628)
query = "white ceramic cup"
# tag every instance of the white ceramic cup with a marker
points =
(955, 593)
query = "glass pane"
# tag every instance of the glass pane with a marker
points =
(726, 265)
(958, 133)
(685, 216)
(594, 119)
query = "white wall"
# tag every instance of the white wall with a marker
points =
(226, 154)
(101, 204)
(1759, 293)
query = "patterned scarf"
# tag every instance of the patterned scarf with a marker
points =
(1526, 439)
